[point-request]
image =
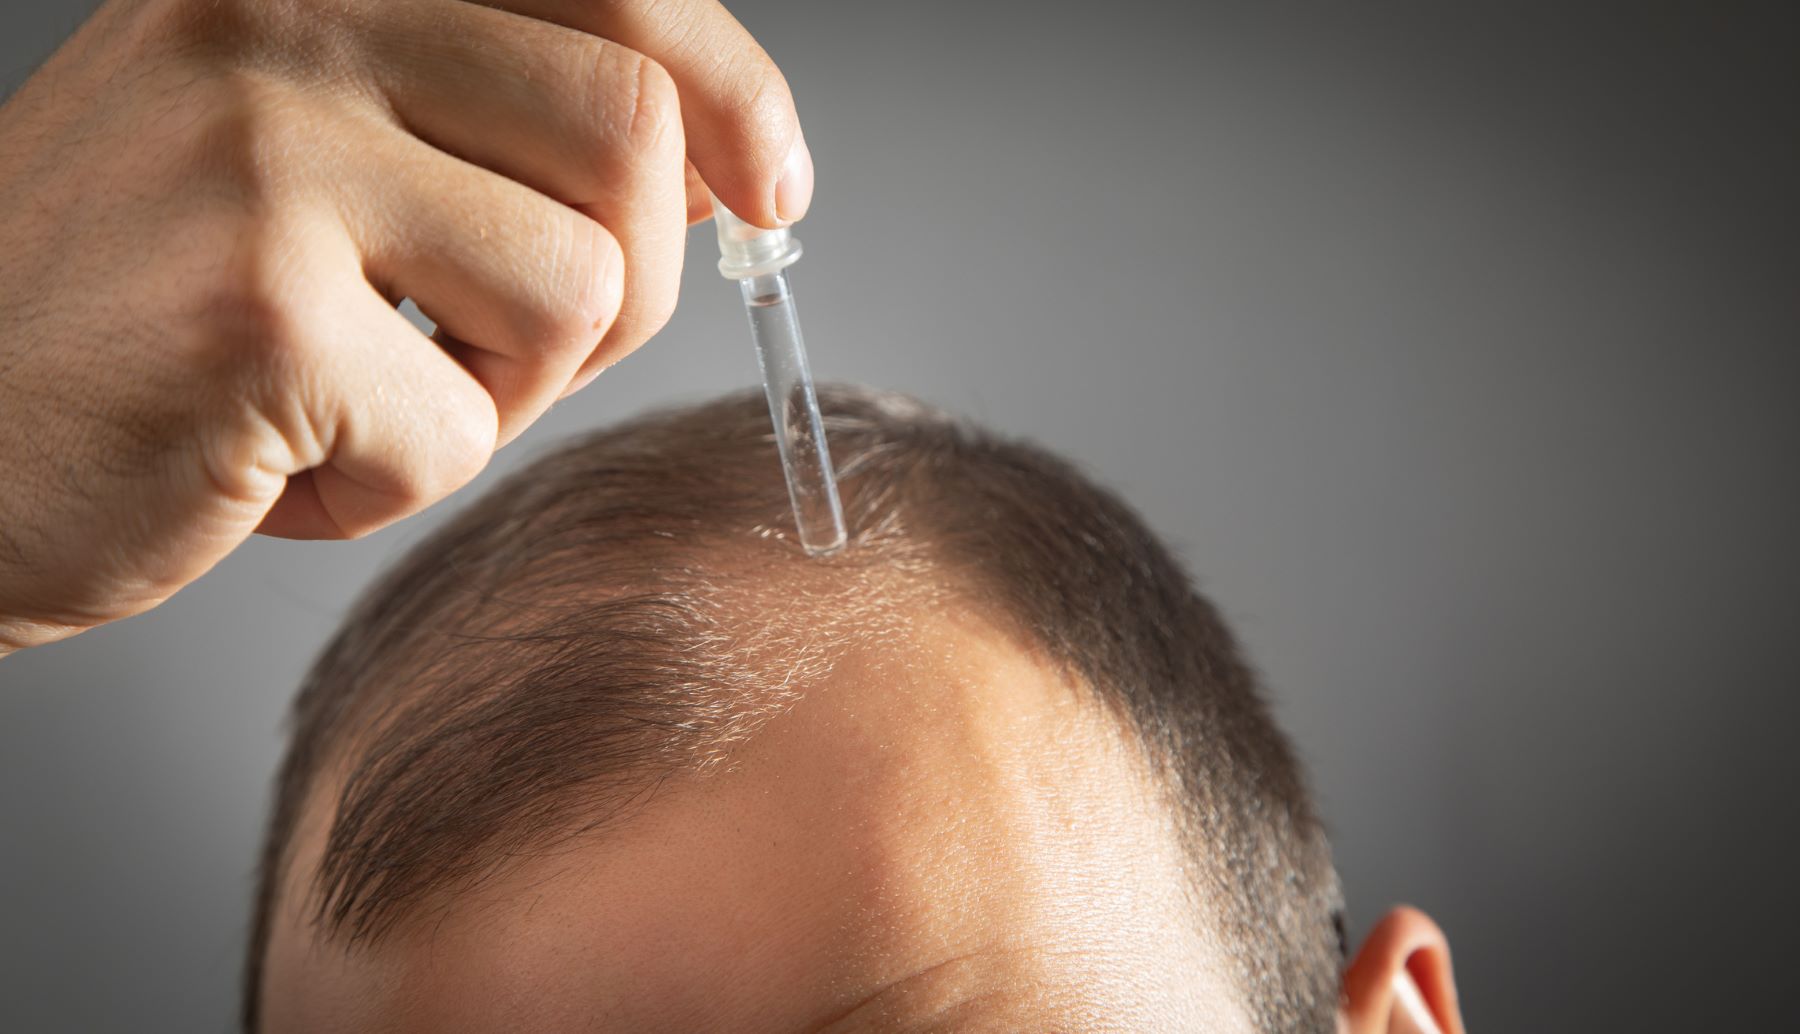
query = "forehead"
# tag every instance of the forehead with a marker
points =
(942, 828)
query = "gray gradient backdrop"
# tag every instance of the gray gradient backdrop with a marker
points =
(1456, 350)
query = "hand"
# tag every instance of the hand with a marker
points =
(212, 207)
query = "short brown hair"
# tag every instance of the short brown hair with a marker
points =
(536, 664)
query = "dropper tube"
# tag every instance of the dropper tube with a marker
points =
(758, 259)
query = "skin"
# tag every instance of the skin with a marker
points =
(219, 203)
(941, 835)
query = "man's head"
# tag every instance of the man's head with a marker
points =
(610, 752)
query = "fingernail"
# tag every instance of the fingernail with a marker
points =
(793, 191)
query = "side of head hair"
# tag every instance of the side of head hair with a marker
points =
(533, 668)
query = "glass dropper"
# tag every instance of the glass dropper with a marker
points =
(758, 259)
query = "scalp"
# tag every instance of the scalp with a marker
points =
(627, 607)
(635, 605)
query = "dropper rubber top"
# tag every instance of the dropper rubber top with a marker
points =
(747, 250)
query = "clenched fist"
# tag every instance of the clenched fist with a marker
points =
(211, 207)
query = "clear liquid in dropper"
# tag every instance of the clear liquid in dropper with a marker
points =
(794, 407)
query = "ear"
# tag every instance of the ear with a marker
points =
(1400, 981)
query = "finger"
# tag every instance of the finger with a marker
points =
(554, 108)
(527, 288)
(399, 424)
(738, 114)
(583, 120)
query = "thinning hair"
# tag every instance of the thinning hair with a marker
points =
(590, 626)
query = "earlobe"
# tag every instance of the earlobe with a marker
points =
(1400, 981)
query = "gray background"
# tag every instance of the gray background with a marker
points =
(1455, 350)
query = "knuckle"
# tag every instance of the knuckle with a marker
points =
(466, 445)
(653, 112)
(249, 340)
(593, 278)
(248, 135)
(254, 318)
(256, 329)
(573, 295)
(451, 449)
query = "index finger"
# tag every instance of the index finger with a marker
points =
(742, 131)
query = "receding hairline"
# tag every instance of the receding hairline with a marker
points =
(933, 502)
